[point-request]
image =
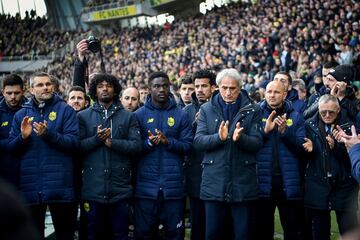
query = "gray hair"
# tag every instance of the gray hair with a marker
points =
(329, 98)
(230, 73)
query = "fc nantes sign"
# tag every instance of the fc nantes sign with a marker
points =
(114, 13)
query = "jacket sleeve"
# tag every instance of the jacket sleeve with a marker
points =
(133, 142)
(182, 144)
(15, 141)
(312, 107)
(68, 139)
(252, 141)
(203, 139)
(79, 74)
(354, 154)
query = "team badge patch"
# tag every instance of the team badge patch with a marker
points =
(171, 121)
(150, 120)
(4, 124)
(289, 122)
(52, 116)
(86, 206)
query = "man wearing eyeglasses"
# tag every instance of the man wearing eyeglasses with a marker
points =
(329, 184)
(167, 135)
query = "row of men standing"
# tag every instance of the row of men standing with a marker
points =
(240, 151)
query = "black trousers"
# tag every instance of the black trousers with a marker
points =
(197, 215)
(290, 212)
(321, 222)
(62, 215)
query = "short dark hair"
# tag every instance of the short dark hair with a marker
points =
(76, 89)
(12, 80)
(331, 64)
(286, 74)
(99, 78)
(143, 86)
(186, 79)
(204, 73)
(39, 74)
(159, 74)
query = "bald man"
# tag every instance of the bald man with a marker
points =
(130, 99)
(278, 167)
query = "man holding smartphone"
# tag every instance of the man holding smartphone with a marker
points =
(338, 82)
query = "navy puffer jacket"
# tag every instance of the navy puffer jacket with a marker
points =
(46, 163)
(160, 167)
(289, 146)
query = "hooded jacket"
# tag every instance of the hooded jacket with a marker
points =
(46, 163)
(9, 161)
(160, 167)
(192, 166)
(107, 170)
(288, 147)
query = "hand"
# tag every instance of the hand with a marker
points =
(350, 140)
(108, 142)
(25, 128)
(82, 48)
(338, 90)
(153, 139)
(237, 132)
(281, 122)
(223, 130)
(338, 133)
(330, 141)
(197, 115)
(270, 123)
(103, 134)
(40, 128)
(308, 145)
(161, 137)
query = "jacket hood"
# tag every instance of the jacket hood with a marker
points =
(32, 102)
(287, 106)
(148, 104)
(5, 108)
(292, 95)
(116, 105)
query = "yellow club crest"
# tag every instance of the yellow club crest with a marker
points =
(86, 206)
(264, 119)
(171, 121)
(4, 124)
(289, 122)
(31, 119)
(52, 116)
(150, 120)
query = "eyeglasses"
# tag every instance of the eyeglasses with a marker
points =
(331, 113)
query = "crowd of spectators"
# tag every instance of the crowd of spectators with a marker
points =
(257, 39)
(33, 36)
(94, 3)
